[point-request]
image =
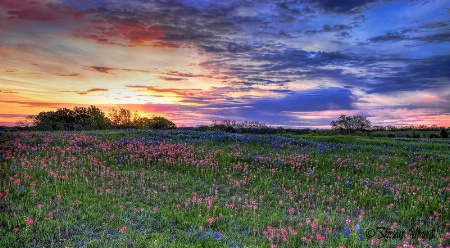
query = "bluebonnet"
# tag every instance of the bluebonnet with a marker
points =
(346, 232)
(360, 236)
(22, 188)
(217, 235)
(441, 196)
(358, 228)
(396, 213)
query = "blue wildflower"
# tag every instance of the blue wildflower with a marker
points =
(274, 185)
(360, 236)
(346, 232)
(349, 183)
(365, 182)
(22, 188)
(358, 228)
(217, 235)
(396, 213)
(441, 196)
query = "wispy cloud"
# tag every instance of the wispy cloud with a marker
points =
(82, 93)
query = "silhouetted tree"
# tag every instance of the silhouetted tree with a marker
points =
(350, 124)
(27, 123)
(444, 133)
(82, 118)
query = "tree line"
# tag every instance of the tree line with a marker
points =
(351, 124)
(92, 118)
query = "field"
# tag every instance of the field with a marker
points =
(212, 189)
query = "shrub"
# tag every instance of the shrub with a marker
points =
(444, 133)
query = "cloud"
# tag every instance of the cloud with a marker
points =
(420, 74)
(171, 78)
(231, 47)
(433, 25)
(178, 92)
(68, 75)
(287, 109)
(440, 35)
(32, 15)
(39, 11)
(13, 115)
(390, 36)
(8, 92)
(329, 28)
(309, 100)
(82, 93)
(341, 6)
(297, 58)
(260, 52)
(98, 68)
(40, 104)
(434, 38)
(183, 74)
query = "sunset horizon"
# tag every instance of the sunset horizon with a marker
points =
(295, 64)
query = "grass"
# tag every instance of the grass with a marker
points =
(134, 188)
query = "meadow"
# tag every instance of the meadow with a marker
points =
(180, 188)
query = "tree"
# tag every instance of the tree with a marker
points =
(349, 124)
(82, 118)
(444, 133)
(159, 122)
(360, 123)
(27, 123)
(97, 118)
(48, 121)
(122, 118)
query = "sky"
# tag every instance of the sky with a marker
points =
(298, 64)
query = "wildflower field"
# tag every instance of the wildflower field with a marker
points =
(183, 188)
